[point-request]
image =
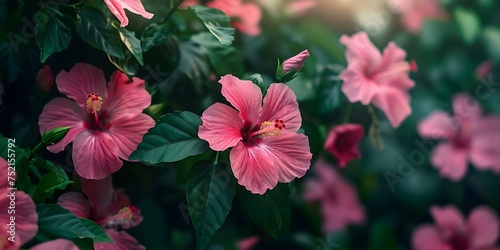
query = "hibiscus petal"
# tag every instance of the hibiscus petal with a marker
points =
(249, 15)
(448, 219)
(221, 127)
(356, 86)
(281, 103)
(394, 56)
(120, 201)
(291, 154)
(253, 167)
(450, 161)
(95, 155)
(80, 81)
(484, 151)
(127, 132)
(59, 244)
(395, 104)
(466, 107)
(126, 98)
(482, 228)
(100, 194)
(428, 237)
(62, 112)
(26, 217)
(122, 241)
(360, 48)
(75, 203)
(245, 96)
(438, 125)
(135, 6)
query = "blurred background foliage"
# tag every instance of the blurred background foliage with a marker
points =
(181, 74)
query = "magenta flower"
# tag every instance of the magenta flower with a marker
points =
(467, 136)
(266, 146)
(342, 142)
(59, 244)
(296, 62)
(110, 209)
(339, 203)
(26, 218)
(106, 124)
(452, 232)
(484, 69)
(380, 79)
(415, 12)
(247, 243)
(117, 7)
(45, 79)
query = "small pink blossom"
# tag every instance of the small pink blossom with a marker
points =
(452, 232)
(26, 218)
(247, 243)
(296, 62)
(339, 202)
(299, 7)
(467, 136)
(342, 142)
(263, 133)
(111, 209)
(117, 7)
(245, 16)
(45, 78)
(106, 123)
(484, 69)
(59, 244)
(380, 79)
(415, 12)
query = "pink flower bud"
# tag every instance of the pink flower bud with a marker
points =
(45, 79)
(296, 62)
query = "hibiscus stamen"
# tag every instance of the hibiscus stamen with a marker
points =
(398, 68)
(124, 219)
(269, 129)
(94, 103)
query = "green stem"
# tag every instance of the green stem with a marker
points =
(174, 8)
(374, 136)
(37, 148)
(347, 113)
(216, 157)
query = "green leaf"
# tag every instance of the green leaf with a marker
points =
(173, 138)
(224, 59)
(382, 236)
(270, 210)
(216, 22)
(55, 179)
(330, 97)
(156, 34)
(96, 31)
(51, 34)
(320, 35)
(127, 65)
(491, 38)
(132, 43)
(259, 81)
(469, 24)
(55, 222)
(193, 64)
(18, 158)
(210, 191)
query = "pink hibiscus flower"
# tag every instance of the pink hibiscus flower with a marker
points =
(106, 124)
(452, 232)
(245, 16)
(266, 147)
(117, 7)
(59, 244)
(484, 69)
(467, 136)
(415, 12)
(110, 209)
(342, 142)
(380, 79)
(296, 62)
(339, 203)
(45, 79)
(26, 218)
(247, 243)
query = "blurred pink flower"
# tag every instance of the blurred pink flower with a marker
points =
(245, 16)
(266, 146)
(45, 78)
(109, 208)
(380, 79)
(452, 232)
(299, 7)
(59, 244)
(247, 243)
(339, 202)
(484, 69)
(117, 7)
(26, 218)
(106, 124)
(415, 12)
(296, 62)
(342, 142)
(468, 136)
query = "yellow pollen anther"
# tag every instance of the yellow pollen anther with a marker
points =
(269, 129)
(94, 102)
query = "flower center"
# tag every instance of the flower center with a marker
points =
(124, 219)
(462, 139)
(397, 68)
(94, 103)
(269, 129)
